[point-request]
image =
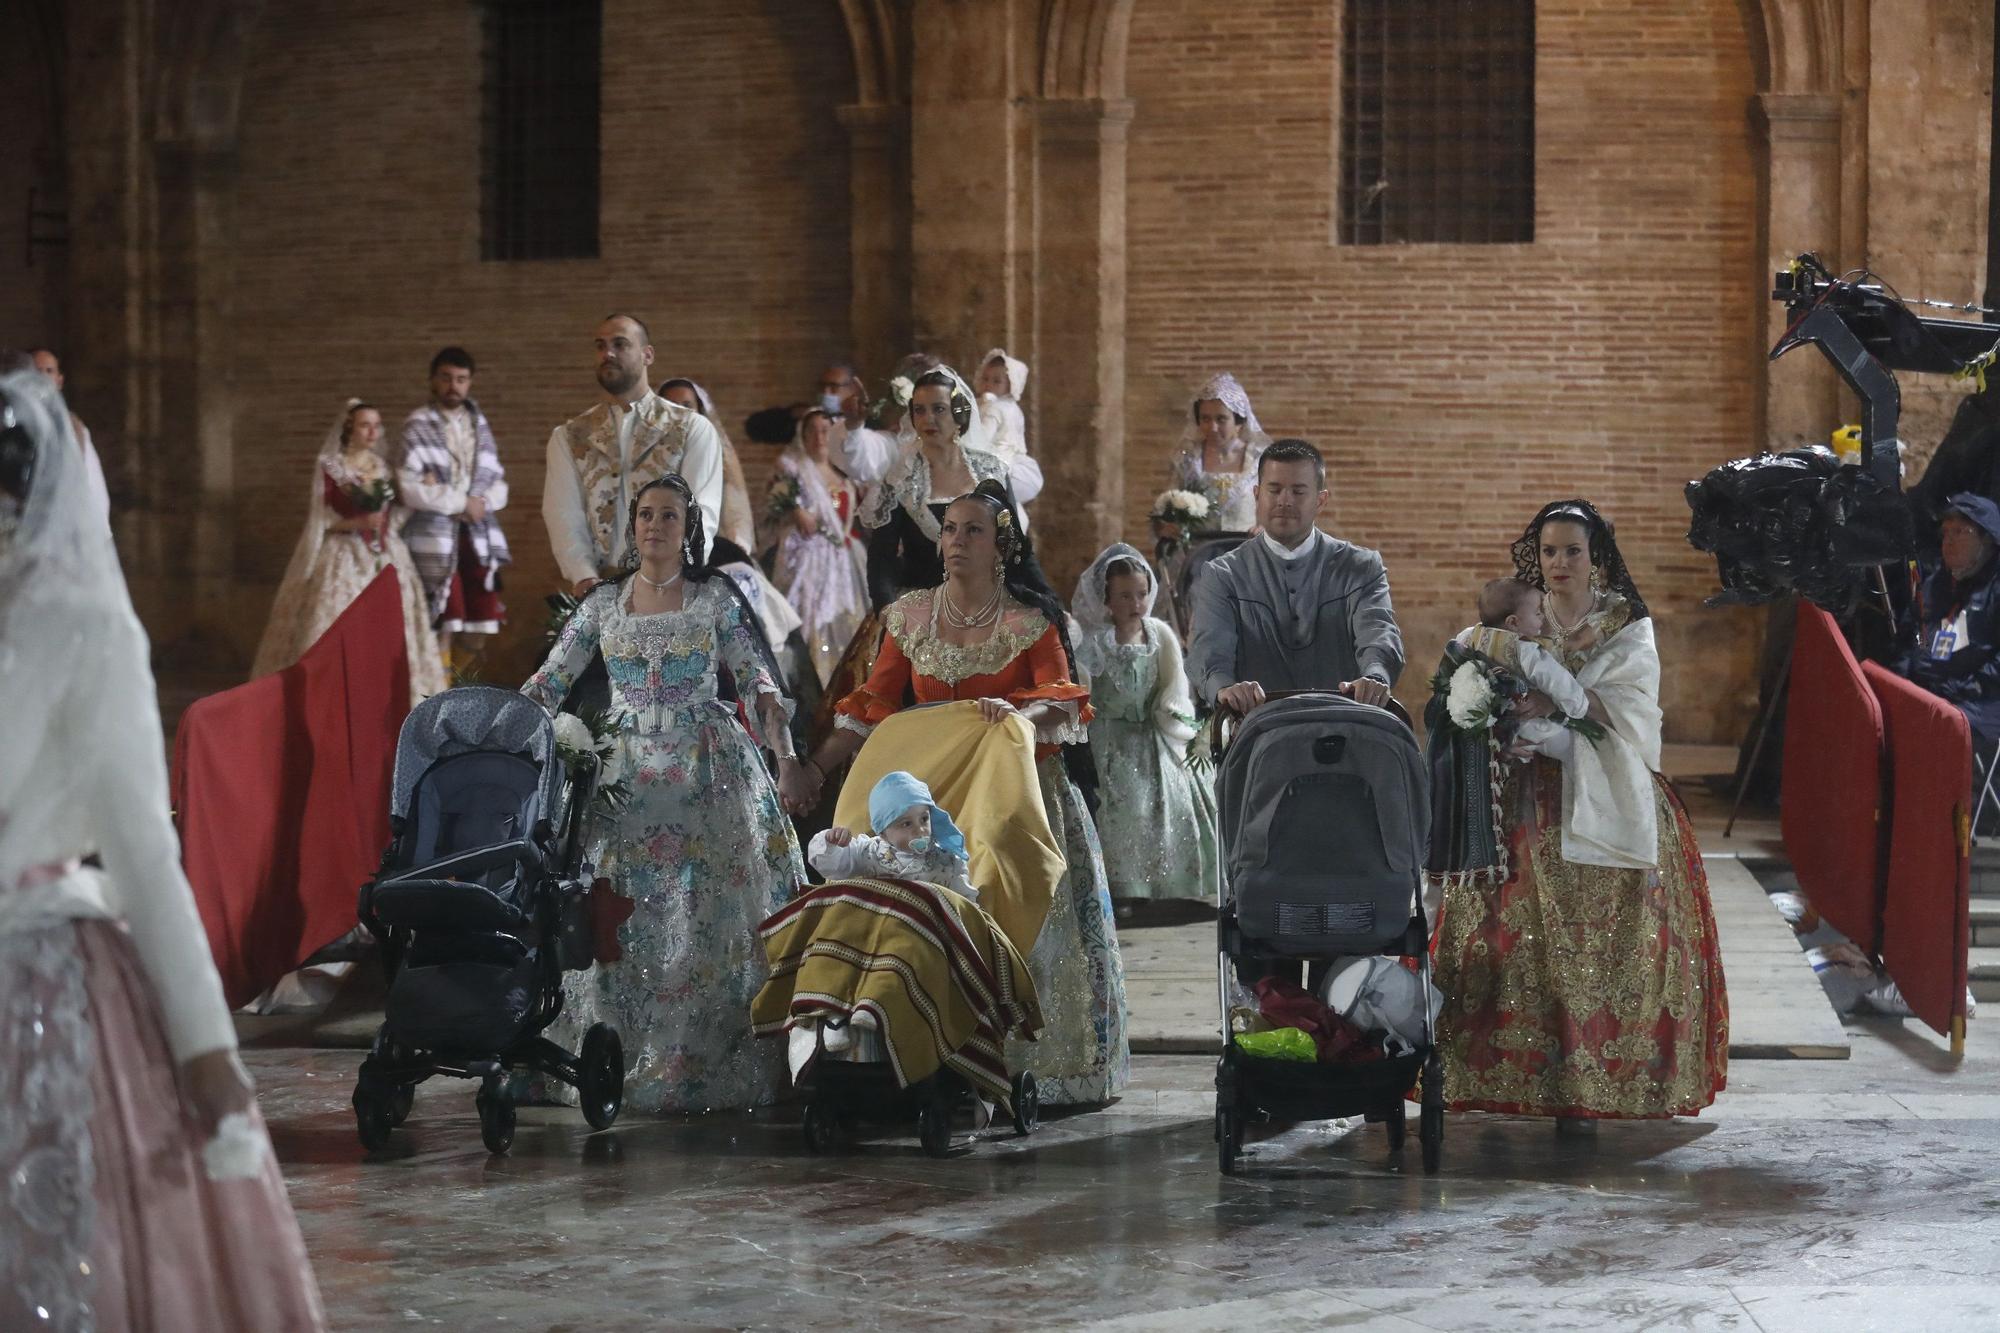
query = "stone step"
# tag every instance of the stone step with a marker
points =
(1983, 973)
(1985, 916)
(1986, 870)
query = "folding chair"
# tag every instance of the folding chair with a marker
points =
(1985, 779)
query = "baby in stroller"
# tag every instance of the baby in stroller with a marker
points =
(895, 991)
(913, 839)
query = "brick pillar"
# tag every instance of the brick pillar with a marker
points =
(879, 236)
(1078, 390)
(1803, 398)
(965, 177)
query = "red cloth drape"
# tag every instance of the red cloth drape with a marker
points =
(281, 788)
(1925, 906)
(1831, 801)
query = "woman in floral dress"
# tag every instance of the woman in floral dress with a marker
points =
(1587, 984)
(343, 548)
(702, 850)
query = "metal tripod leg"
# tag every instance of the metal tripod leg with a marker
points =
(1764, 719)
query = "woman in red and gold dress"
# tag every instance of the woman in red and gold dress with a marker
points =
(1588, 984)
(989, 634)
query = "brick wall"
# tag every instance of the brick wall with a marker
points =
(1457, 388)
(724, 226)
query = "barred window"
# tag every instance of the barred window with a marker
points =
(1437, 138)
(538, 177)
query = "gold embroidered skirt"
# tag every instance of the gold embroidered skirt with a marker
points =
(1576, 990)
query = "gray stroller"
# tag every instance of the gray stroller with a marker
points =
(1325, 807)
(480, 911)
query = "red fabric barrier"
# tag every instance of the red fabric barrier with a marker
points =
(281, 788)
(1831, 793)
(1925, 929)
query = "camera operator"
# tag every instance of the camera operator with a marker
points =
(1956, 655)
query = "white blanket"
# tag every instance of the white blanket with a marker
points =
(1609, 814)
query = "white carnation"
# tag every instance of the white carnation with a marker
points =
(902, 387)
(1469, 699)
(1181, 504)
(572, 733)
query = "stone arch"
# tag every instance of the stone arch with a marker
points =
(1083, 48)
(876, 30)
(1797, 44)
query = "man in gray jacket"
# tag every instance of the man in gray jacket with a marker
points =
(1292, 608)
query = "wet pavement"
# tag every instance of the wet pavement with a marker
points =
(1861, 1191)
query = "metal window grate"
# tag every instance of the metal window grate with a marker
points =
(538, 182)
(1437, 141)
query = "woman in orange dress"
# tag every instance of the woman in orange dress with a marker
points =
(1587, 983)
(988, 634)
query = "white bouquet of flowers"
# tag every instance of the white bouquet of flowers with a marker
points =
(1185, 508)
(574, 741)
(1469, 698)
(585, 746)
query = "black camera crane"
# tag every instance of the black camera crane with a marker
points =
(1867, 331)
(1801, 521)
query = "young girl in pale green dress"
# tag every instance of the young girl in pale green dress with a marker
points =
(1156, 815)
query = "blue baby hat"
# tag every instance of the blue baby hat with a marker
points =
(896, 793)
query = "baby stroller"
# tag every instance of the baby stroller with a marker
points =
(1325, 809)
(480, 913)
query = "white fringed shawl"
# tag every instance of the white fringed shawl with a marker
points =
(1609, 814)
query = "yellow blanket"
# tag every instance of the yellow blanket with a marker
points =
(983, 773)
(935, 974)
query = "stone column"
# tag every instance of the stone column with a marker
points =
(1803, 397)
(1078, 392)
(879, 236)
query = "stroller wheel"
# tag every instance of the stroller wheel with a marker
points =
(1430, 1120)
(1228, 1140)
(934, 1125)
(496, 1121)
(1396, 1122)
(373, 1114)
(822, 1128)
(1027, 1103)
(400, 1102)
(600, 1084)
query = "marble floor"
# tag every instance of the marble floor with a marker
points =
(1815, 1195)
(1861, 1193)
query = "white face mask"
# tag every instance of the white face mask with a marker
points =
(830, 403)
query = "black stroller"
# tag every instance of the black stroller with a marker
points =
(480, 913)
(1325, 811)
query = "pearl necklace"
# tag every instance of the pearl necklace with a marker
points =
(958, 619)
(1562, 631)
(659, 587)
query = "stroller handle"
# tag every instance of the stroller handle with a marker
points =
(1228, 720)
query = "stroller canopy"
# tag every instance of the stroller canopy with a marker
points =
(474, 719)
